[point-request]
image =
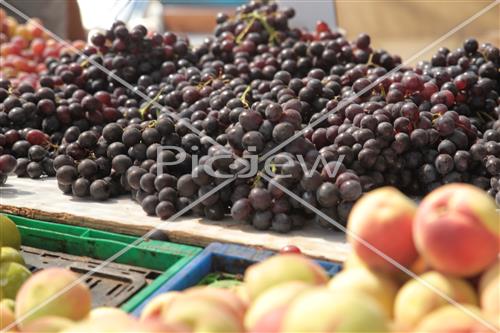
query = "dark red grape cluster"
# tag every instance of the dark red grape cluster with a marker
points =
(326, 118)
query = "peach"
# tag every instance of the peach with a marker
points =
(267, 311)
(203, 313)
(489, 292)
(9, 303)
(382, 219)
(241, 292)
(322, 310)
(225, 297)
(52, 292)
(48, 324)
(452, 319)
(112, 323)
(378, 285)
(7, 317)
(123, 325)
(282, 268)
(417, 298)
(457, 228)
(104, 312)
(154, 308)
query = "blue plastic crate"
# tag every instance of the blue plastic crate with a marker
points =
(217, 257)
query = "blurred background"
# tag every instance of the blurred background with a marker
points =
(403, 27)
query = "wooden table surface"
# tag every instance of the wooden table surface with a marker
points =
(41, 199)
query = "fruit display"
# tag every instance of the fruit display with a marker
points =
(152, 116)
(24, 49)
(290, 293)
(13, 272)
(55, 300)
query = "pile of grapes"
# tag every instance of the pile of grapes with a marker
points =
(100, 121)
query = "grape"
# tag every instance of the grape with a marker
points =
(416, 129)
(22, 164)
(327, 195)
(260, 198)
(87, 168)
(215, 212)
(36, 153)
(350, 190)
(478, 151)
(250, 120)
(99, 190)
(164, 209)
(262, 220)
(427, 173)
(208, 200)
(493, 165)
(310, 182)
(61, 160)
(134, 175)
(34, 170)
(283, 131)
(241, 210)
(186, 186)
(131, 136)
(7, 164)
(87, 140)
(81, 187)
(281, 223)
(66, 174)
(168, 194)
(444, 164)
(147, 183)
(447, 147)
(121, 163)
(112, 132)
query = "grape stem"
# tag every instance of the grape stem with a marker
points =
(146, 107)
(262, 19)
(244, 96)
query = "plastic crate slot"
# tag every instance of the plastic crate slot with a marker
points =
(114, 288)
(152, 275)
(93, 285)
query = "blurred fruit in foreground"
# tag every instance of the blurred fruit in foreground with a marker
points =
(382, 287)
(451, 319)
(48, 324)
(416, 299)
(10, 235)
(9, 254)
(457, 229)
(489, 293)
(383, 218)
(13, 276)
(323, 310)
(279, 269)
(267, 311)
(6, 316)
(72, 302)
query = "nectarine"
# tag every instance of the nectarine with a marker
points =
(457, 229)
(416, 299)
(282, 268)
(34, 299)
(383, 218)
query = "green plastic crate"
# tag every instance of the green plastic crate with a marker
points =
(79, 241)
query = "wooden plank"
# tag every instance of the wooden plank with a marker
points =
(41, 199)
